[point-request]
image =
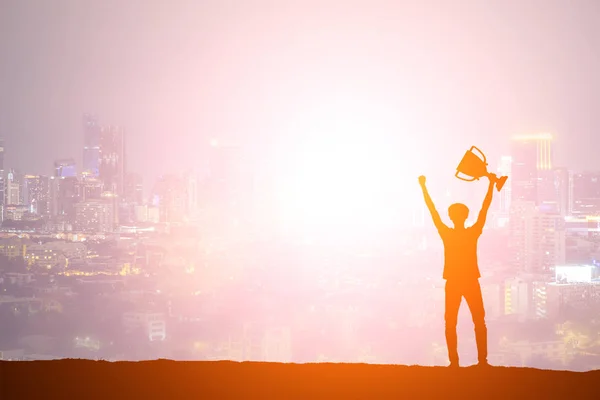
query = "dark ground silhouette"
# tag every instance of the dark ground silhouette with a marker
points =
(461, 270)
(164, 379)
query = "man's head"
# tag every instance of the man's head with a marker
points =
(458, 213)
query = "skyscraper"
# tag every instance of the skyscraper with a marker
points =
(170, 196)
(65, 168)
(586, 193)
(112, 159)
(134, 189)
(564, 190)
(1, 154)
(2, 177)
(13, 193)
(89, 188)
(91, 146)
(532, 176)
(94, 216)
(66, 197)
(36, 194)
(537, 239)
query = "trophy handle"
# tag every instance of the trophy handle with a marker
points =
(463, 179)
(480, 152)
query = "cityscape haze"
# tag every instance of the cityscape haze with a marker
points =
(238, 180)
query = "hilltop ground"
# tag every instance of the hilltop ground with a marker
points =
(164, 379)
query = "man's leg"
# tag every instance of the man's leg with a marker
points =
(452, 304)
(474, 299)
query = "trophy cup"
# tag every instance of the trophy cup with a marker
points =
(475, 167)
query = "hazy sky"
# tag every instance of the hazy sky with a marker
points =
(445, 74)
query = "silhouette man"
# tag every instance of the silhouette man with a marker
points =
(461, 271)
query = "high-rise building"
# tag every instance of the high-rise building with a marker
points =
(65, 168)
(94, 216)
(517, 298)
(586, 193)
(531, 168)
(134, 189)
(66, 197)
(1, 154)
(112, 159)
(91, 146)
(13, 189)
(36, 196)
(15, 212)
(170, 197)
(537, 239)
(564, 190)
(2, 179)
(89, 188)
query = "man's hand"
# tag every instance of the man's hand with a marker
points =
(422, 180)
(492, 177)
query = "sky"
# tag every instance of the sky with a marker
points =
(423, 80)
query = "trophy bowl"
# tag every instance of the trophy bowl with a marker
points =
(472, 168)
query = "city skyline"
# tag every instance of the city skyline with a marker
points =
(262, 85)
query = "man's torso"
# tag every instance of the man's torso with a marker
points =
(460, 253)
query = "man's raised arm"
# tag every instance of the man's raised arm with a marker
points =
(437, 220)
(487, 201)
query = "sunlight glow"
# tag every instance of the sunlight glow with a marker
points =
(348, 171)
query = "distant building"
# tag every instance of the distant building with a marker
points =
(44, 257)
(12, 355)
(531, 169)
(517, 299)
(54, 255)
(16, 212)
(13, 189)
(65, 168)
(141, 213)
(557, 300)
(2, 177)
(493, 296)
(94, 216)
(66, 196)
(37, 194)
(91, 146)
(89, 188)
(246, 345)
(586, 193)
(537, 240)
(112, 159)
(170, 198)
(1, 154)
(19, 279)
(153, 325)
(153, 215)
(134, 189)
(13, 247)
(583, 226)
(563, 186)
